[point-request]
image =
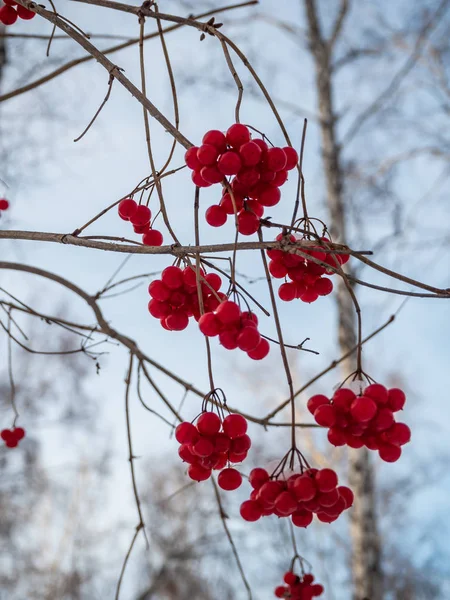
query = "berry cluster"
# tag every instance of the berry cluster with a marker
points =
(363, 420)
(299, 587)
(12, 437)
(256, 173)
(139, 215)
(236, 329)
(12, 11)
(309, 280)
(4, 204)
(300, 497)
(212, 444)
(175, 296)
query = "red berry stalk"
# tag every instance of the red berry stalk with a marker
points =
(363, 420)
(299, 587)
(308, 280)
(214, 444)
(140, 216)
(300, 496)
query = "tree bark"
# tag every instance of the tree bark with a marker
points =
(366, 553)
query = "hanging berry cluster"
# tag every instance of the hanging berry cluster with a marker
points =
(299, 587)
(309, 280)
(256, 173)
(213, 443)
(4, 204)
(12, 11)
(12, 437)
(236, 329)
(363, 420)
(300, 496)
(175, 296)
(139, 216)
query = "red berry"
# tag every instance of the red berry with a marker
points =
(157, 309)
(308, 578)
(315, 401)
(248, 223)
(277, 269)
(159, 291)
(184, 452)
(215, 138)
(258, 477)
(190, 158)
(222, 442)
(261, 350)
(198, 473)
(229, 163)
(141, 216)
(209, 324)
(228, 339)
(255, 207)
(248, 339)
(172, 277)
(250, 510)
(198, 179)
(241, 444)
(208, 423)
(270, 196)
(228, 312)
(141, 228)
(304, 488)
(328, 499)
(399, 434)
(237, 135)
(152, 237)
(396, 399)
(237, 458)
(177, 321)
(309, 296)
(383, 420)
(207, 154)
(19, 433)
(8, 16)
(377, 392)
(250, 153)
(216, 216)
(234, 426)
(317, 589)
(291, 157)
(389, 452)
(280, 178)
(126, 208)
(326, 480)
(186, 433)
(343, 398)
(269, 492)
(287, 292)
(347, 494)
(214, 281)
(325, 415)
(203, 447)
(323, 286)
(25, 13)
(211, 174)
(275, 159)
(363, 409)
(228, 206)
(336, 437)
(229, 479)
(248, 177)
(302, 518)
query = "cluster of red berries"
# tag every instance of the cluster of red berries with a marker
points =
(236, 329)
(363, 420)
(300, 497)
(212, 444)
(4, 204)
(299, 587)
(12, 11)
(309, 280)
(12, 437)
(257, 172)
(175, 296)
(139, 215)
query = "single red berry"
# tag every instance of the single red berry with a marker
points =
(241, 444)
(286, 504)
(363, 409)
(347, 494)
(280, 178)
(248, 339)
(229, 163)
(275, 159)
(141, 216)
(258, 477)
(4, 204)
(222, 442)
(216, 216)
(186, 433)
(262, 144)
(209, 423)
(304, 488)
(25, 13)
(198, 179)
(315, 401)
(203, 447)
(323, 286)
(383, 420)
(399, 434)
(19, 433)
(234, 426)
(249, 177)
(237, 135)
(248, 223)
(255, 207)
(317, 589)
(277, 269)
(249, 318)
(157, 309)
(269, 492)
(159, 291)
(126, 208)
(198, 473)
(250, 153)
(172, 277)
(290, 578)
(302, 518)
(227, 203)
(207, 154)
(215, 138)
(291, 157)
(343, 398)
(270, 196)
(309, 296)
(191, 160)
(326, 480)
(228, 339)
(308, 578)
(261, 350)
(377, 392)
(214, 281)
(209, 324)
(287, 292)
(141, 228)
(229, 479)
(184, 452)
(328, 499)
(336, 437)
(396, 399)
(389, 452)
(228, 312)
(325, 415)
(177, 321)
(8, 15)
(237, 458)
(250, 510)
(152, 237)
(211, 174)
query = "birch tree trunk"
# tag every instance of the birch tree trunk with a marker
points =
(366, 554)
